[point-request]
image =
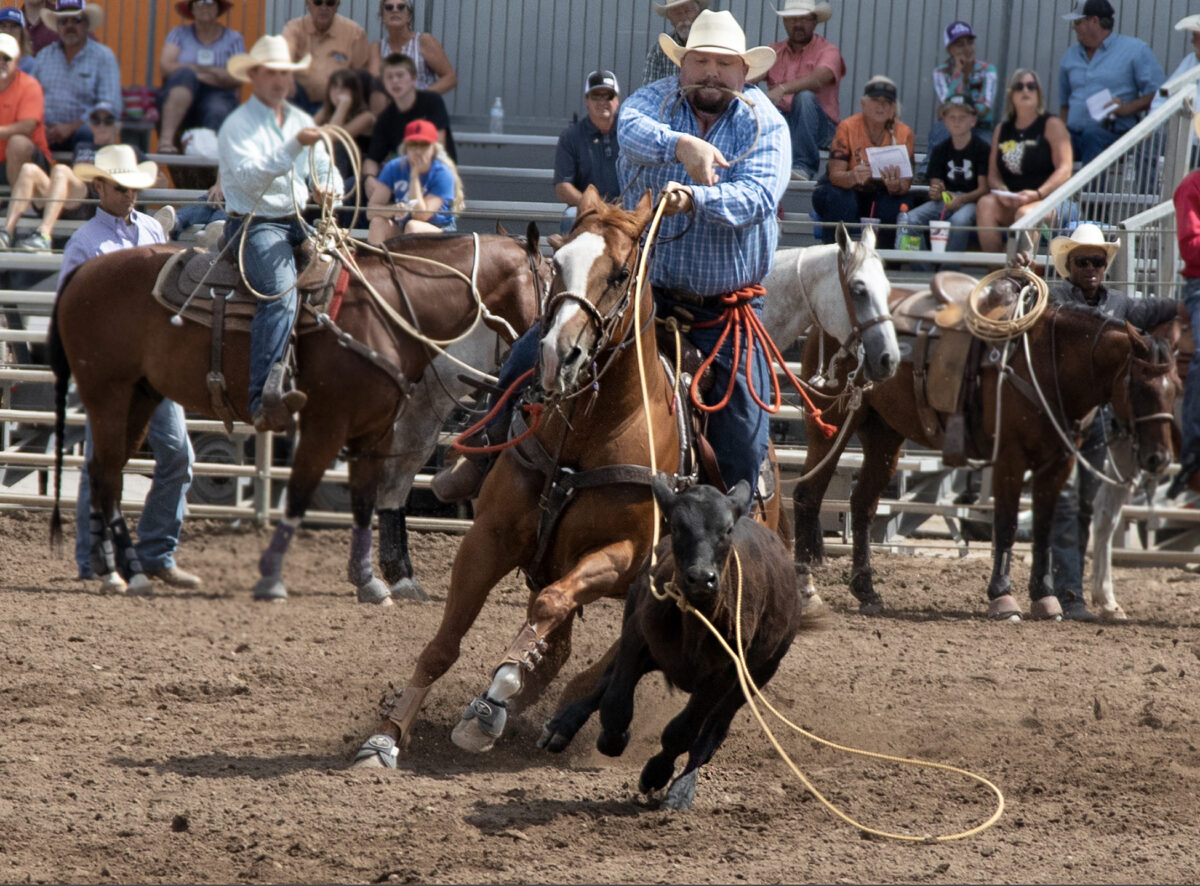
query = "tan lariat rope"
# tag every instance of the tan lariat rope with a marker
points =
(1007, 328)
(752, 691)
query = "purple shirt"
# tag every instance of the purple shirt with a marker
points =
(107, 233)
(193, 52)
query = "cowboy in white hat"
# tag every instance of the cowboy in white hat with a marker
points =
(117, 176)
(803, 83)
(681, 14)
(1081, 260)
(264, 154)
(76, 73)
(728, 180)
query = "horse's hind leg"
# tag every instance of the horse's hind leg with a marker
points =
(881, 450)
(364, 478)
(1105, 517)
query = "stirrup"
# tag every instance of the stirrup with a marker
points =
(461, 480)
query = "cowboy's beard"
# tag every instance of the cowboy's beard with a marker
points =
(710, 96)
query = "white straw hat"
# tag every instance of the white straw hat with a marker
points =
(118, 163)
(661, 8)
(1188, 23)
(1086, 234)
(68, 8)
(269, 51)
(719, 32)
(823, 11)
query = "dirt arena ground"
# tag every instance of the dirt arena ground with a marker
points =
(198, 737)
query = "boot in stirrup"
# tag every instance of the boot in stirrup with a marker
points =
(463, 479)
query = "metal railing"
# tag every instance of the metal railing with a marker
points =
(1134, 174)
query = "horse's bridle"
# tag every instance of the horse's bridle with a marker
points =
(857, 327)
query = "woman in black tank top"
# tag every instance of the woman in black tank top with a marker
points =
(1031, 156)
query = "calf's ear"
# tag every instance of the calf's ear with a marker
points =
(664, 492)
(739, 499)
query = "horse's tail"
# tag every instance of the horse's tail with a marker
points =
(62, 379)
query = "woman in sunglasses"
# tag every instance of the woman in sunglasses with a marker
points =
(198, 90)
(1031, 156)
(434, 71)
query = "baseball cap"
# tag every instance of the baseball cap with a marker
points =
(880, 87)
(601, 80)
(1101, 8)
(105, 107)
(12, 14)
(957, 30)
(420, 131)
(958, 101)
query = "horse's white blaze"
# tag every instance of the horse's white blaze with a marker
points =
(575, 261)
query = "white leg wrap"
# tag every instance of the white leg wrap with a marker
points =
(506, 683)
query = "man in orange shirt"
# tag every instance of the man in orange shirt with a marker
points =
(22, 130)
(333, 41)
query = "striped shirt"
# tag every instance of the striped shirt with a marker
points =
(731, 242)
(257, 155)
(73, 87)
(106, 233)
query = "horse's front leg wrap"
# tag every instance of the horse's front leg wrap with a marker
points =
(358, 570)
(401, 710)
(270, 564)
(103, 557)
(126, 555)
(527, 649)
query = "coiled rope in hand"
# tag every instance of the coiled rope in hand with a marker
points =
(1008, 326)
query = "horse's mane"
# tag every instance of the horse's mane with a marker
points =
(626, 222)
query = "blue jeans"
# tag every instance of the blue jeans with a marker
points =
(834, 204)
(162, 517)
(739, 433)
(1191, 387)
(1071, 526)
(196, 214)
(271, 269)
(811, 130)
(210, 104)
(1090, 142)
(961, 220)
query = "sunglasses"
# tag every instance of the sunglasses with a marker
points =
(1025, 86)
(1091, 261)
(71, 19)
(601, 96)
(395, 7)
(4, 59)
(203, 3)
(330, 3)
(102, 120)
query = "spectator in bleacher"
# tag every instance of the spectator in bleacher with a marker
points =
(803, 83)
(76, 73)
(408, 104)
(12, 22)
(264, 151)
(965, 75)
(57, 190)
(850, 190)
(681, 14)
(346, 106)
(958, 168)
(417, 193)
(332, 40)
(40, 34)
(1031, 156)
(198, 91)
(22, 131)
(586, 153)
(1191, 25)
(117, 177)
(434, 70)
(1124, 66)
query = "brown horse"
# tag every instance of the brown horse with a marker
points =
(594, 442)
(127, 355)
(1081, 360)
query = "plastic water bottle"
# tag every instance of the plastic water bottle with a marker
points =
(496, 118)
(906, 237)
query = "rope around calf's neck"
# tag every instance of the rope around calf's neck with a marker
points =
(751, 691)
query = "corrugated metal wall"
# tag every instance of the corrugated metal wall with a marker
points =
(535, 53)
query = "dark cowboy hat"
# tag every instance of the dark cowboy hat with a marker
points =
(184, 8)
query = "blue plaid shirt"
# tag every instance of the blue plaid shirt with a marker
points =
(732, 239)
(73, 88)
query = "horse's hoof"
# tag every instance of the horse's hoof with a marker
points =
(375, 591)
(410, 589)
(139, 585)
(1116, 614)
(1046, 609)
(270, 590)
(682, 792)
(1004, 608)
(481, 724)
(112, 583)
(377, 752)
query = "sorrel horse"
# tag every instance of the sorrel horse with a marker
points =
(1080, 360)
(126, 355)
(594, 424)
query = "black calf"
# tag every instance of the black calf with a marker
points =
(705, 528)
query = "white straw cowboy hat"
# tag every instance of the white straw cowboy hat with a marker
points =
(1188, 23)
(9, 46)
(661, 8)
(69, 8)
(823, 11)
(1086, 234)
(719, 32)
(269, 51)
(118, 163)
